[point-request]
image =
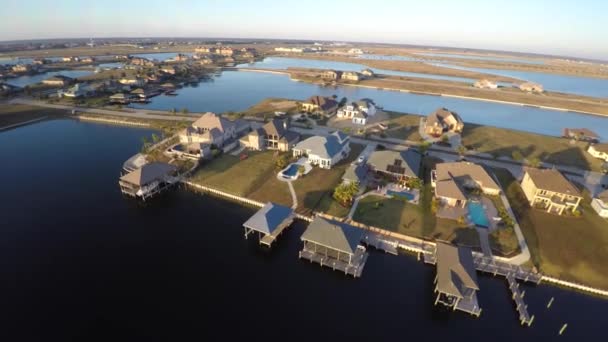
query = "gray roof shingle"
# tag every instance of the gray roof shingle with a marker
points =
(334, 235)
(269, 218)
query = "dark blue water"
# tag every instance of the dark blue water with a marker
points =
(236, 91)
(285, 62)
(588, 86)
(82, 263)
(23, 81)
(484, 58)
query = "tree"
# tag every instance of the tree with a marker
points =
(534, 162)
(516, 155)
(414, 183)
(145, 144)
(462, 150)
(301, 169)
(343, 101)
(282, 161)
(155, 138)
(345, 193)
(445, 138)
(334, 96)
(424, 146)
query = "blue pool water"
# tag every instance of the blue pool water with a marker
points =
(478, 214)
(405, 194)
(291, 171)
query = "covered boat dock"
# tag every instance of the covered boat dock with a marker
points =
(269, 222)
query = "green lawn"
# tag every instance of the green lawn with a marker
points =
(240, 177)
(272, 190)
(311, 188)
(570, 248)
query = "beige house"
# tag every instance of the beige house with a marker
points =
(600, 204)
(531, 87)
(485, 84)
(274, 135)
(209, 128)
(142, 61)
(203, 50)
(550, 190)
(167, 69)
(321, 104)
(369, 73)
(133, 81)
(21, 68)
(599, 151)
(225, 51)
(351, 76)
(452, 180)
(58, 80)
(442, 121)
(331, 74)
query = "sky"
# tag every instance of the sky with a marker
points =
(562, 27)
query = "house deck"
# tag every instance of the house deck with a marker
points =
(355, 268)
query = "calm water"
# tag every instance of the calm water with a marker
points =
(286, 62)
(484, 58)
(588, 86)
(236, 91)
(23, 81)
(24, 60)
(82, 263)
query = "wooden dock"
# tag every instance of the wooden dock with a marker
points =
(355, 269)
(489, 265)
(470, 306)
(518, 297)
(267, 240)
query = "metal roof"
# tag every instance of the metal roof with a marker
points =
(455, 270)
(269, 218)
(334, 235)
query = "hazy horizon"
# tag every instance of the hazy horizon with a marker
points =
(543, 27)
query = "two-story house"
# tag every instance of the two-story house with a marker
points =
(331, 74)
(209, 128)
(324, 151)
(320, 104)
(442, 121)
(452, 180)
(549, 189)
(358, 111)
(274, 135)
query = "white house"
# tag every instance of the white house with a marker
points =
(599, 151)
(324, 151)
(600, 204)
(133, 81)
(358, 111)
(77, 90)
(209, 128)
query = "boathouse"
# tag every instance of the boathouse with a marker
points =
(269, 222)
(148, 180)
(456, 280)
(334, 244)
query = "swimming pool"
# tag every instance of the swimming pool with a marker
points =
(478, 214)
(405, 194)
(291, 171)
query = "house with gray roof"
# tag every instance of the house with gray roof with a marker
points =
(358, 111)
(443, 121)
(456, 279)
(274, 135)
(452, 180)
(148, 180)
(400, 165)
(269, 222)
(334, 244)
(355, 173)
(213, 129)
(324, 151)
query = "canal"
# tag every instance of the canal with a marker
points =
(80, 262)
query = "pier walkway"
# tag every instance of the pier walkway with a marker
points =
(518, 297)
(380, 243)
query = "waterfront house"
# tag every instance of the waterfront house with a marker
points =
(582, 134)
(531, 87)
(140, 61)
(180, 57)
(331, 74)
(355, 51)
(69, 59)
(368, 73)
(58, 80)
(443, 121)
(358, 111)
(355, 173)
(88, 59)
(334, 244)
(18, 68)
(599, 151)
(320, 104)
(456, 279)
(40, 61)
(548, 189)
(203, 50)
(485, 84)
(225, 51)
(397, 165)
(274, 135)
(148, 180)
(78, 90)
(133, 81)
(324, 151)
(351, 76)
(210, 128)
(120, 98)
(140, 93)
(167, 69)
(452, 180)
(269, 222)
(600, 204)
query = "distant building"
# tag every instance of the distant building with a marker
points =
(600, 204)
(180, 57)
(351, 76)
(274, 135)
(550, 190)
(358, 111)
(293, 49)
(320, 104)
(120, 98)
(225, 51)
(140, 61)
(531, 87)
(21, 68)
(133, 81)
(78, 90)
(599, 151)
(452, 180)
(203, 50)
(88, 60)
(355, 51)
(582, 134)
(58, 80)
(442, 121)
(368, 73)
(324, 151)
(331, 74)
(167, 69)
(485, 84)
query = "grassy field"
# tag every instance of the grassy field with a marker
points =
(312, 188)
(267, 107)
(14, 114)
(569, 248)
(272, 190)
